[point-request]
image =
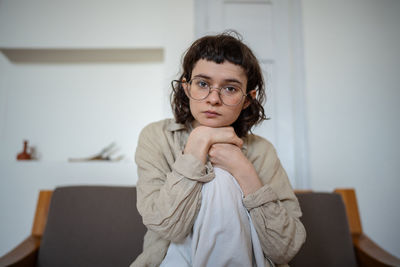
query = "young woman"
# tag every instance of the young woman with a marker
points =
(202, 173)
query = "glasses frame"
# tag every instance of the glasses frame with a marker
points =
(209, 92)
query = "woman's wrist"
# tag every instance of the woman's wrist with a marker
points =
(248, 180)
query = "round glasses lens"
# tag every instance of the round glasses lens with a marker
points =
(231, 95)
(198, 89)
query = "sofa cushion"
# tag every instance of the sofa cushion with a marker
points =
(328, 240)
(92, 226)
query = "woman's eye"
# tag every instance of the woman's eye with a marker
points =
(202, 84)
(230, 89)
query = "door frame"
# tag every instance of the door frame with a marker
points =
(296, 102)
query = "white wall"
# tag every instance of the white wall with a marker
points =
(73, 109)
(353, 93)
(352, 75)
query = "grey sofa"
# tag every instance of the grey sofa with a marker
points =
(100, 226)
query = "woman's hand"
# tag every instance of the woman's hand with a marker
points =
(223, 147)
(230, 158)
(202, 138)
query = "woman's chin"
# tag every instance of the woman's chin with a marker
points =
(212, 124)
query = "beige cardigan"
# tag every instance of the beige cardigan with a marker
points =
(169, 194)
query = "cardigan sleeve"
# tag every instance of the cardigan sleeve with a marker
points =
(168, 187)
(274, 208)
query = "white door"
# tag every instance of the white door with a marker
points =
(272, 29)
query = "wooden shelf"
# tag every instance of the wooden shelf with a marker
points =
(83, 55)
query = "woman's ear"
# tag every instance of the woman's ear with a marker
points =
(185, 86)
(252, 94)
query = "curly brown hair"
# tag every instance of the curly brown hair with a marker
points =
(218, 48)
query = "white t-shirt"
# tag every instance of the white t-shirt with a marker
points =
(223, 233)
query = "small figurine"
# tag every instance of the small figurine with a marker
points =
(106, 154)
(24, 155)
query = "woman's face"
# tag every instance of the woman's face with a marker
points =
(211, 111)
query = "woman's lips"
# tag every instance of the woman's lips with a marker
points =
(211, 114)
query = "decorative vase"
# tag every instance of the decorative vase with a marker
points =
(24, 155)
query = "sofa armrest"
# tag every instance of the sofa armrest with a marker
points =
(25, 254)
(370, 254)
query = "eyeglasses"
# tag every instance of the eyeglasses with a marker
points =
(199, 89)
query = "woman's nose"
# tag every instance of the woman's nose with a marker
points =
(214, 98)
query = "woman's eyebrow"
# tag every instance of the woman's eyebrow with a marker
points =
(202, 76)
(229, 80)
(232, 81)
